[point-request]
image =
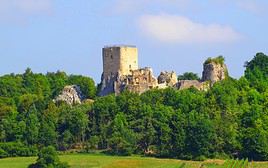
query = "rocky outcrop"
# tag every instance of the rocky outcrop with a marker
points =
(214, 72)
(167, 78)
(70, 95)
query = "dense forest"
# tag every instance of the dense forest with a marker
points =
(228, 121)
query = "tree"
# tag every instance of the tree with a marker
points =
(103, 112)
(189, 76)
(122, 139)
(48, 158)
(86, 84)
(57, 82)
(72, 125)
(144, 129)
(32, 126)
(200, 134)
(178, 134)
(36, 84)
(254, 133)
(162, 116)
(257, 71)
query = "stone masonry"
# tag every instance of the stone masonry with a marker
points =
(121, 72)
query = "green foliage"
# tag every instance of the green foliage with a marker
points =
(48, 158)
(13, 149)
(189, 76)
(72, 125)
(86, 84)
(3, 154)
(218, 60)
(228, 120)
(257, 71)
(122, 139)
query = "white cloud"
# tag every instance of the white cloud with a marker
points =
(173, 28)
(12, 9)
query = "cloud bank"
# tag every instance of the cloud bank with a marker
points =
(174, 28)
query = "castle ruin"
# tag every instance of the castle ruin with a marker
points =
(121, 72)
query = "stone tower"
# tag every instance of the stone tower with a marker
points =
(117, 61)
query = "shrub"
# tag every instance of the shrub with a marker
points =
(3, 153)
(48, 157)
(13, 149)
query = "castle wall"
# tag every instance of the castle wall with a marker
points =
(141, 80)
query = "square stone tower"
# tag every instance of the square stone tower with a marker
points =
(118, 61)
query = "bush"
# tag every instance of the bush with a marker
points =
(200, 158)
(119, 146)
(48, 158)
(3, 153)
(13, 149)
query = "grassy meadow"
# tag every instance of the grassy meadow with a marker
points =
(103, 161)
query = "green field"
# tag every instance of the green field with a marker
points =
(103, 161)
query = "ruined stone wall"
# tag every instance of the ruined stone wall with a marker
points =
(141, 80)
(186, 84)
(168, 79)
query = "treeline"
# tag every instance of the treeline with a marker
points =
(230, 120)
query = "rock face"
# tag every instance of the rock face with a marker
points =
(71, 95)
(168, 78)
(214, 72)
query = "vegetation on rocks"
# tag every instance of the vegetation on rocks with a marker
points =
(218, 60)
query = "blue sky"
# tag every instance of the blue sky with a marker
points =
(51, 35)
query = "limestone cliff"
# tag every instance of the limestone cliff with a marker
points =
(214, 71)
(71, 95)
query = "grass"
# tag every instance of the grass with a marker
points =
(104, 161)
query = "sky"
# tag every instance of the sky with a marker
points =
(178, 35)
